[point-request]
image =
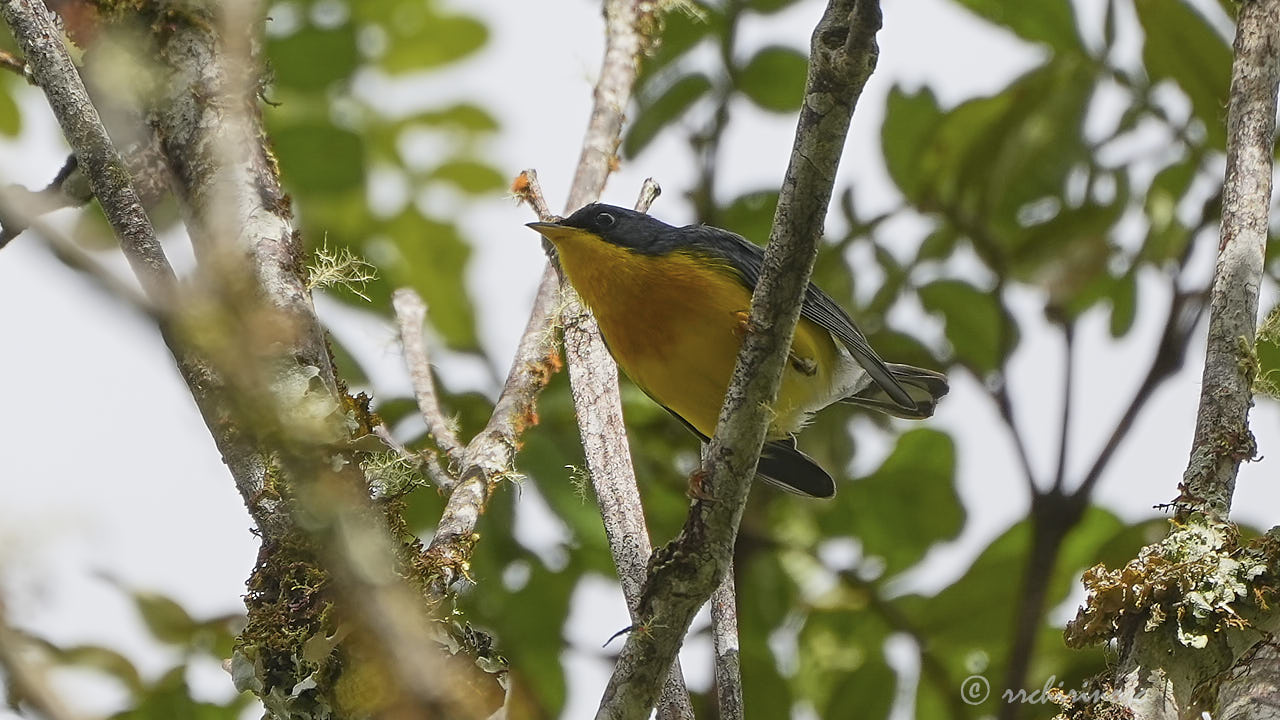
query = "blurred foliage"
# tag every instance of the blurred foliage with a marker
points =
(190, 641)
(1051, 185)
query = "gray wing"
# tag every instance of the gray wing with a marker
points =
(748, 259)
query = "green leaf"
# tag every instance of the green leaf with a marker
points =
(1267, 348)
(422, 39)
(980, 331)
(663, 110)
(1044, 21)
(463, 116)
(319, 158)
(909, 122)
(750, 215)
(165, 618)
(938, 245)
(867, 692)
(1124, 304)
(312, 58)
(470, 176)
(1181, 46)
(774, 79)
(10, 116)
(1167, 237)
(769, 6)
(434, 258)
(841, 664)
(348, 367)
(102, 659)
(907, 505)
(682, 30)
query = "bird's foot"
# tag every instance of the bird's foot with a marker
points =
(697, 486)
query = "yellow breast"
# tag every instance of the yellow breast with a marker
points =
(673, 324)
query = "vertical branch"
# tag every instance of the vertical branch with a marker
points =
(593, 376)
(1156, 676)
(684, 574)
(1222, 438)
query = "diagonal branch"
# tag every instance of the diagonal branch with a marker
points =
(51, 68)
(685, 573)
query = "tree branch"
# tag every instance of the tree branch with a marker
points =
(684, 574)
(1222, 438)
(1251, 691)
(410, 314)
(1157, 676)
(593, 376)
(615, 487)
(724, 640)
(490, 456)
(51, 68)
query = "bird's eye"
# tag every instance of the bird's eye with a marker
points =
(605, 220)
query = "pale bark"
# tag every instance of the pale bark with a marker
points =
(685, 573)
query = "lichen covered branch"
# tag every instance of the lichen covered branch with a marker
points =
(684, 574)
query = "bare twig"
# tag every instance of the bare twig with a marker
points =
(649, 192)
(1222, 438)
(724, 640)
(13, 63)
(528, 189)
(490, 456)
(410, 314)
(593, 376)
(686, 572)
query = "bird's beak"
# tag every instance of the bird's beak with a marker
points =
(552, 231)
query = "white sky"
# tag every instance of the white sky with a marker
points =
(101, 441)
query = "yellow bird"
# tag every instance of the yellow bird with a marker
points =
(672, 305)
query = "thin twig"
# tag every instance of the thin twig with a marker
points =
(999, 394)
(724, 640)
(13, 63)
(410, 312)
(490, 456)
(1068, 373)
(649, 192)
(685, 573)
(527, 189)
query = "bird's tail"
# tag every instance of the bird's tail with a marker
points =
(925, 387)
(786, 467)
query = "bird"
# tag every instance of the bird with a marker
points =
(672, 304)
